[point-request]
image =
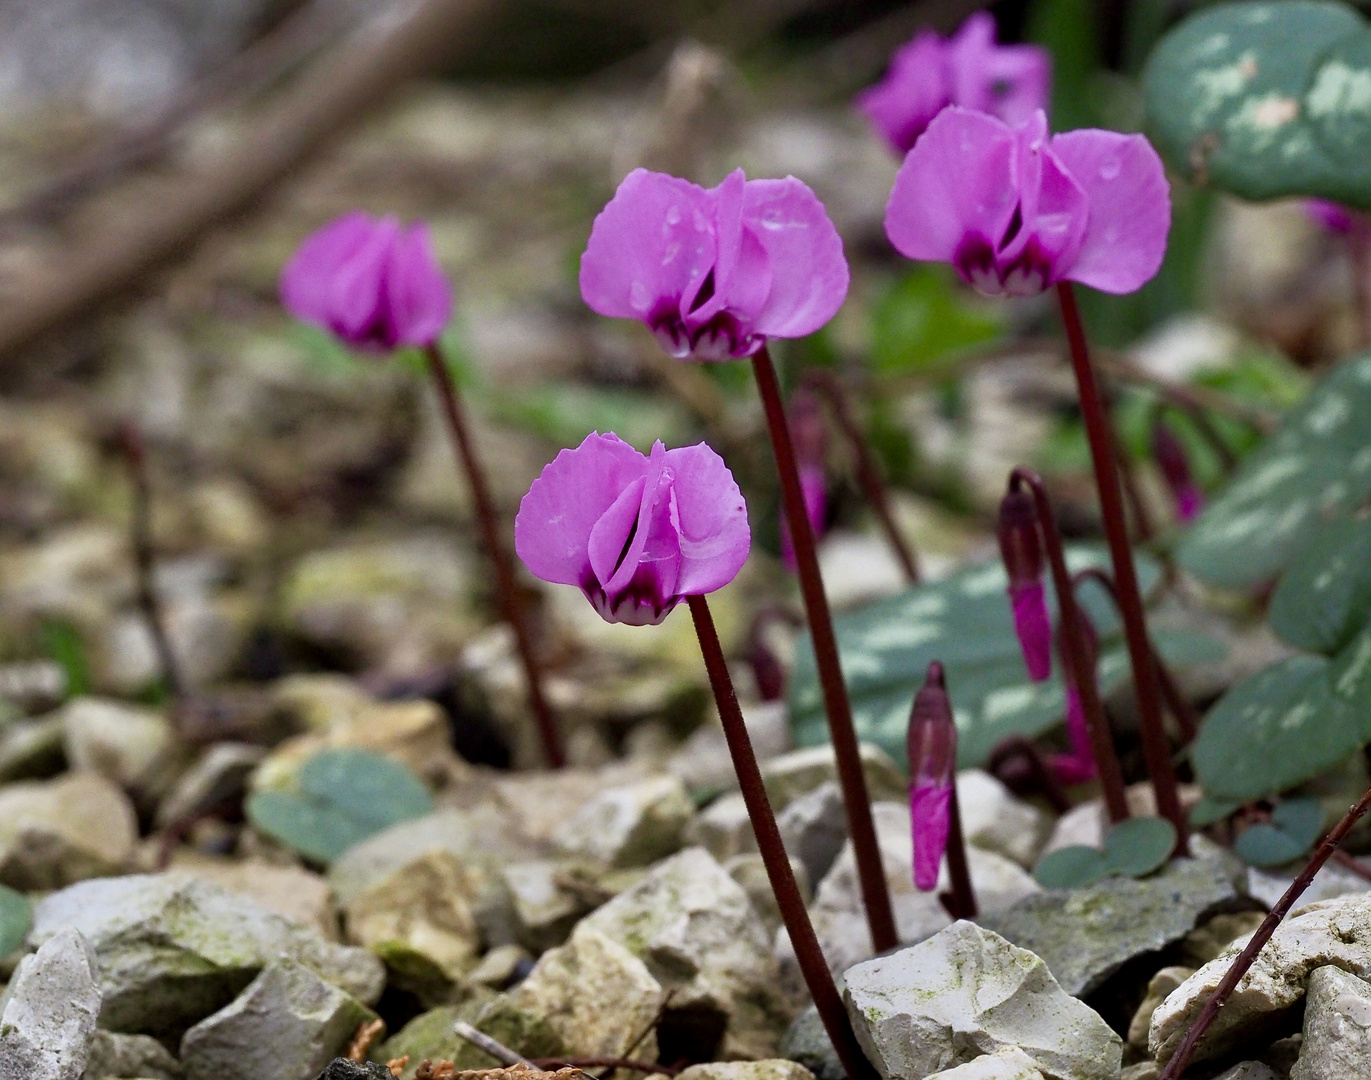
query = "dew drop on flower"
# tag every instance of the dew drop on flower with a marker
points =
(638, 296)
(673, 215)
(1110, 169)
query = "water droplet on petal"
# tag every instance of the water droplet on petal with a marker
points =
(673, 215)
(1109, 170)
(638, 297)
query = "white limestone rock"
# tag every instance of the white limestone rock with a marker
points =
(967, 992)
(1332, 932)
(993, 819)
(632, 825)
(770, 1069)
(722, 828)
(1337, 1028)
(56, 832)
(1007, 1063)
(48, 1011)
(801, 771)
(287, 1024)
(814, 829)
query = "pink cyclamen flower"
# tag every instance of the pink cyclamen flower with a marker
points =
(372, 282)
(1021, 550)
(1332, 216)
(929, 73)
(714, 273)
(1015, 211)
(635, 532)
(932, 746)
(1175, 467)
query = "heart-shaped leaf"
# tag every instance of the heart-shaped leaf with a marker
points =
(1072, 867)
(340, 798)
(1295, 825)
(1209, 810)
(1284, 495)
(16, 918)
(964, 621)
(1137, 846)
(1276, 729)
(1132, 848)
(1266, 99)
(1324, 599)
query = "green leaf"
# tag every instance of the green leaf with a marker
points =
(1274, 730)
(341, 797)
(1209, 810)
(923, 319)
(1295, 825)
(1302, 819)
(1324, 599)
(1137, 846)
(1313, 470)
(16, 918)
(1071, 867)
(964, 621)
(1266, 99)
(62, 642)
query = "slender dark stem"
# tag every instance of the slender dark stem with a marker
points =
(505, 583)
(851, 778)
(1097, 428)
(960, 901)
(868, 472)
(1248, 956)
(135, 456)
(1353, 864)
(1176, 702)
(1013, 747)
(793, 914)
(1076, 650)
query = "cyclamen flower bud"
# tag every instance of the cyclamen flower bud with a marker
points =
(1175, 467)
(1021, 549)
(1078, 766)
(932, 745)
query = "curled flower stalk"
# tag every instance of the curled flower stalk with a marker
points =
(1076, 651)
(715, 274)
(376, 286)
(1021, 550)
(935, 818)
(638, 533)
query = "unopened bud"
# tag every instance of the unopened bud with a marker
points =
(1175, 466)
(932, 745)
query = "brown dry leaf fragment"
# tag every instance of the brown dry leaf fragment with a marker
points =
(397, 1065)
(435, 1070)
(368, 1031)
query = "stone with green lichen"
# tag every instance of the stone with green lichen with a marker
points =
(430, 1035)
(801, 771)
(173, 949)
(1085, 935)
(769, 1069)
(632, 825)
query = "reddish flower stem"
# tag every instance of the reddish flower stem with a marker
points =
(505, 584)
(144, 558)
(1075, 648)
(960, 901)
(868, 472)
(1097, 429)
(1248, 956)
(793, 914)
(851, 778)
(1176, 703)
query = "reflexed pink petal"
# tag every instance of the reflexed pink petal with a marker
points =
(609, 545)
(913, 92)
(306, 281)
(1010, 82)
(1055, 210)
(1071, 769)
(556, 516)
(1077, 730)
(649, 244)
(1033, 627)
(625, 559)
(712, 518)
(418, 293)
(1130, 208)
(361, 314)
(1332, 216)
(958, 180)
(930, 813)
(809, 274)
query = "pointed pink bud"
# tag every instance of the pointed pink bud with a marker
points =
(371, 282)
(1021, 550)
(1175, 467)
(932, 744)
(635, 532)
(1078, 766)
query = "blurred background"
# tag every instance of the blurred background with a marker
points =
(160, 160)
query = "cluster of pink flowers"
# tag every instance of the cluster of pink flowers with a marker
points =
(715, 273)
